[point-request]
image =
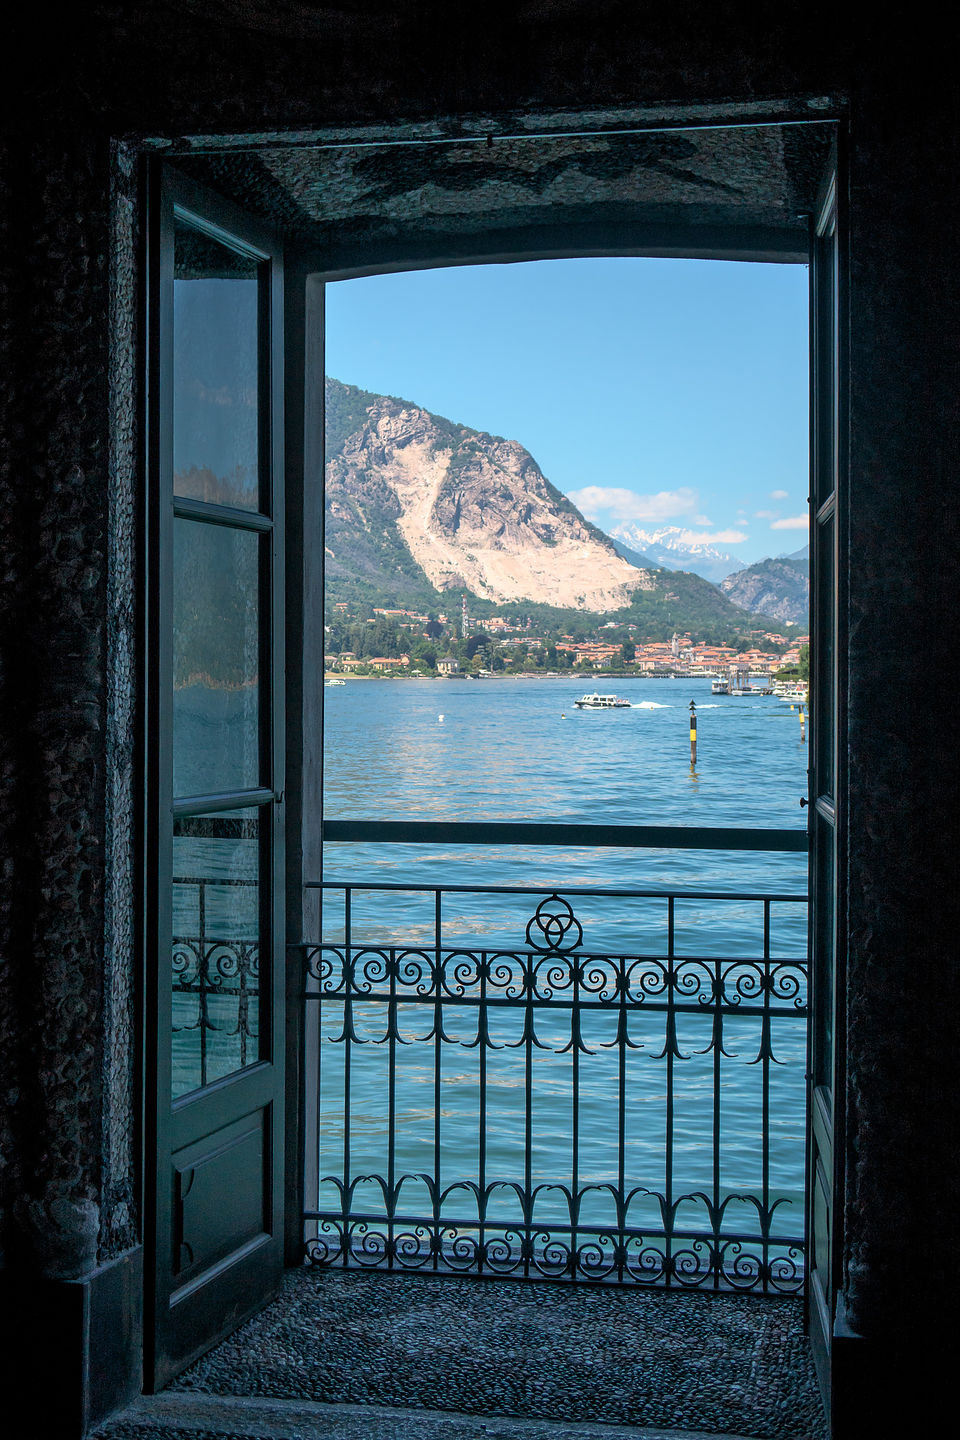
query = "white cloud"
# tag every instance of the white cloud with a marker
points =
(792, 522)
(717, 537)
(702, 520)
(624, 504)
(766, 514)
(778, 494)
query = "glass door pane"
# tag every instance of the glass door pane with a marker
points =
(216, 657)
(216, 410)
(216, 946)
(220, 608)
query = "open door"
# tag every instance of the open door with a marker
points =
(826, 968)
(214, 845)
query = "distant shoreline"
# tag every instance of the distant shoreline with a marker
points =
(619, 676)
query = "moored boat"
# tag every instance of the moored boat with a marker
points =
(790, 690)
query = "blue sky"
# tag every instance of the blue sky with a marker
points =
(655, 392)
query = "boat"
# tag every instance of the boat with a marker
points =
(601, 702)
(720, 687)
(333, 681)
(790, 690)
(741, 684)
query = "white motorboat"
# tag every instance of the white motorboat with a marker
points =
(597, 701)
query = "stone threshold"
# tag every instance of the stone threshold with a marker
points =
(207, 1417)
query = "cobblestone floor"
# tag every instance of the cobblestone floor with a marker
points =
(730, 1365)
(183, 1416)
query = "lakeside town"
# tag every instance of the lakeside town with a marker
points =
(407, 644)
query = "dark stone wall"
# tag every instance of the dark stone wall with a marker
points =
(67, 648)
(903, 920)
(56, 529)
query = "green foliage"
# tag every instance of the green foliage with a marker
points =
(687, 603)
(365, 638)
(804, 666)
(345, 412)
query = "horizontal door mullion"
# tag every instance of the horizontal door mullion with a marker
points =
(231, 515)
(227, 800)
(511, 832)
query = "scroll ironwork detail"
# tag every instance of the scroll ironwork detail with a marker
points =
(649, 1195)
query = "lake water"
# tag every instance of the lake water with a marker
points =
(519, 750)
(466, 750)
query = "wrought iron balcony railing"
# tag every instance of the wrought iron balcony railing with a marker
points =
(578, 1083)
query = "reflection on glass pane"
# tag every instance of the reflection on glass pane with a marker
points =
(215, 419)
(826, 689)
(215, 658)
(824, 953)
(216, 947)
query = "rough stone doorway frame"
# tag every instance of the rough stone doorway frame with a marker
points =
(307, 269)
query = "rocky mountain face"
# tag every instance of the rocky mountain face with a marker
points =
(670, 547)
(778, 587)
(633, 557)
(415, 500)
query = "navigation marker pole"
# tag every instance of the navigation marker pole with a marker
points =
(693, 734)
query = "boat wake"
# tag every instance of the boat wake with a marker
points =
(654, 705)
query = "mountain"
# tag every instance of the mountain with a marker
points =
(418, 505)
(668, 547)
(687, 603)
(779, 587)
(633, 557)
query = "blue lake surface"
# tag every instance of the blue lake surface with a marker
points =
(466, 750)
(519, 750)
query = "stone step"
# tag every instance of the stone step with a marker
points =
(180, 1416)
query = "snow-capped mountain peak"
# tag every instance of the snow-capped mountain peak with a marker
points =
(680, 549)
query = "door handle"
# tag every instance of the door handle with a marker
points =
(803, 801)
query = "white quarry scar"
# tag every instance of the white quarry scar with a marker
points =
(513, 566)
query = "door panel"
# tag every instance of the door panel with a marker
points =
(215, 913)
(230, 1161)
(826, 758)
